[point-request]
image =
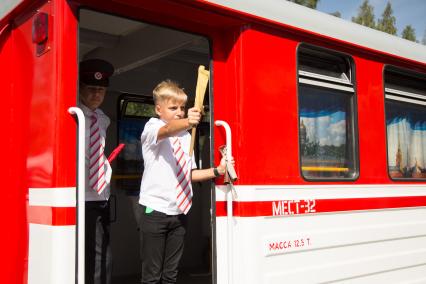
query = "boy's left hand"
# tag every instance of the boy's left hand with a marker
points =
(222, 166)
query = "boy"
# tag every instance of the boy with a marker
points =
(166, 194)
(94, 81)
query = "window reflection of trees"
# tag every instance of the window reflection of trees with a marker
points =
(325, 132)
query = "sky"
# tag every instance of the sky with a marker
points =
(326, 129)
(406, 12)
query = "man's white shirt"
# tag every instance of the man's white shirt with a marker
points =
(104, 122)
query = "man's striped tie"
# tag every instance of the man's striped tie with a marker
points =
(183, 187)
(96, 159)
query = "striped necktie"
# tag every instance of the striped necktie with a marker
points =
(97, 180)
(183, 187)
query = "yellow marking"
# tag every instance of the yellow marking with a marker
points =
(325, 169)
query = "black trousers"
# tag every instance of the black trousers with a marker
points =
(98, 263)
(162, 246)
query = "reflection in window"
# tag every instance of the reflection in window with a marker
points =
(325, 133)
(139, 109)
(135, 111)
(133, 117)
(326, 123)
(405, 93)
(406, 132)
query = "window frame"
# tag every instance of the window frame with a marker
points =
(404, 95)
(311, 79)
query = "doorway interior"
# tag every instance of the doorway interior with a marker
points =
(143, 55)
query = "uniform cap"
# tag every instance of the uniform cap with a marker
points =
(96, 72)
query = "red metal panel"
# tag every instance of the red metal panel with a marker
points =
(260, 103)
(268, 111)
(34, 84)
(39, 148)
(52, 216)
(52, 91)
(65, 94)
(371, 121)
(225, 84)
(14, 238)
(185, 15)
(48, 85)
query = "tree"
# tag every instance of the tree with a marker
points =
(409, 33)
(387, 22)
(424, 38)
(308, 3)
(336, 14)
(365, 15)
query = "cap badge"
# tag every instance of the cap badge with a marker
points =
(98, 75)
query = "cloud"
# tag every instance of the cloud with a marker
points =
(337, 133)
(326, 130)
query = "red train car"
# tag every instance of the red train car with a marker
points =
(325, 119)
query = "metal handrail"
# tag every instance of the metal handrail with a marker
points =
(81, 183)
(229, 199)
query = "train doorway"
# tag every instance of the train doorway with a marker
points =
(143, 55)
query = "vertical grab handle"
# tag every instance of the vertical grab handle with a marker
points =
(229, 197)
(81, 183)
(229, 167)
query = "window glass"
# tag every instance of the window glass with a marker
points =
(134, 114)
(139, 109)
(326, 110)
(326, 141)
(406, 132)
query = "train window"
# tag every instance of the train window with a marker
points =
(134, 111)
(405, 102)
(139, 109)
(326, 115)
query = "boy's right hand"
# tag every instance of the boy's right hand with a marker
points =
(194, 116)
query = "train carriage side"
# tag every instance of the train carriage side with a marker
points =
(328, 132)
(329, 147)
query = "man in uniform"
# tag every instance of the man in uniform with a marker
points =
(94, 80)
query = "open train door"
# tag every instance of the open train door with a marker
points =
(39, 64)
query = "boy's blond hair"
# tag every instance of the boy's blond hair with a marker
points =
(168, 90)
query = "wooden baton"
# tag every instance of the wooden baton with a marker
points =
(200, 90)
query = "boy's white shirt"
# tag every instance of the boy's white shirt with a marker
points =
(158, 185)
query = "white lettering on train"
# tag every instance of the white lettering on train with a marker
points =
(293, 207)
